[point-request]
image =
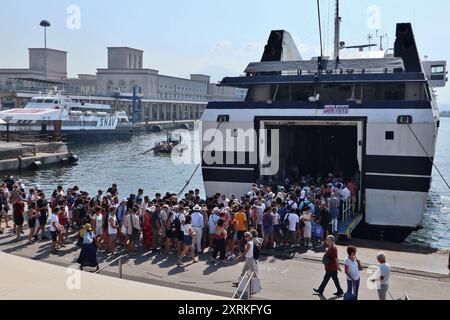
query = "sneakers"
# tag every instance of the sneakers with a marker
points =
(318, 291)
(338, 294)
(236, 284)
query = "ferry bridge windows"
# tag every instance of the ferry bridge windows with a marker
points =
(437, 69)
(334, 93)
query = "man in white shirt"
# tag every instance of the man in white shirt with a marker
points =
(345, 194)
(383, 275)
(294, 221)
(54, 228)
(198, 223)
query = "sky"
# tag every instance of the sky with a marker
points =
(218, 37)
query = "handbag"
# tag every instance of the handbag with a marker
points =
(256, 286)
(360, 266)
(326, 260)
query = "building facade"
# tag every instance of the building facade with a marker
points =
(163, 97)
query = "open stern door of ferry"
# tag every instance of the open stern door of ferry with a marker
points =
(316, 146)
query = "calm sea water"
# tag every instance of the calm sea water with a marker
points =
(123, 163)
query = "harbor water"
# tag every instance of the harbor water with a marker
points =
(124, 163)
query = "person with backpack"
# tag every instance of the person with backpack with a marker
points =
(212, 223)
(133, 229)
(291, 225)
(333, 209)
(219, 242)
(177, 220)
(268, 225)
(188, 239)
(332, 266)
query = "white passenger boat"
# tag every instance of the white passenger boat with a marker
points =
(56, 115)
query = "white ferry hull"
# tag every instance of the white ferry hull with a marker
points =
(396, 176)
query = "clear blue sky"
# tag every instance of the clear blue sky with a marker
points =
(219, 37)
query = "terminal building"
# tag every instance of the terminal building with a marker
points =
(163, 98)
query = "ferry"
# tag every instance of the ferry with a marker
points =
(58, 116)
(372, 115)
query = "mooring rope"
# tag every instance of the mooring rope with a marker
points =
(430, 158)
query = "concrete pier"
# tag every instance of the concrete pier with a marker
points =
(15, 156)
(422, 274)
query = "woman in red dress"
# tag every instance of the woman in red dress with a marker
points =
(147, 230)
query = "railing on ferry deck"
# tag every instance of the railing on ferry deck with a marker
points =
(347, 210)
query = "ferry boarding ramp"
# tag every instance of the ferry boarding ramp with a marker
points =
(27, 279)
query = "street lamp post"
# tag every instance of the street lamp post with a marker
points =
(45, 24)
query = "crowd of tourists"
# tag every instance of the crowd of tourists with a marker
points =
(232, 227)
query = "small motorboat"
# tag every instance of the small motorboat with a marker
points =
(168, 145)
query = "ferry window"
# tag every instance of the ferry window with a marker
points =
(283, 93)
(334, 93)
(302, 93)
(55, 102)
(415, 91)
(373, 92)
(394, 91)
(357, 92)
(437, 69)
(48, 101)
(258, 93)
(389, 135)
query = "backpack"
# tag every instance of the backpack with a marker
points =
(255, 251)
(176, 224)
(286, 222)
(289, 207)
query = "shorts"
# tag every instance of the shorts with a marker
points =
(180, 236)
(32, 223)
(169, 234)
(293, 235)
(187, 240)
(54, 235)
(133, 238)
(231, 236)
(43, 219)
(112, 237)
(18, 221)
(276, 229)
(268, 232)
(240, 235)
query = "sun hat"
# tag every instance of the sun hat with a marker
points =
(197, 208)
(88, 227)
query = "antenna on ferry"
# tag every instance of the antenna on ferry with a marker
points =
(337, 32)
(320, 59)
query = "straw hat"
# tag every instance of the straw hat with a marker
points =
(197, 208)
(88, 227)
(216, 210)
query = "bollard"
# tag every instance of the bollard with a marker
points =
(120, 268)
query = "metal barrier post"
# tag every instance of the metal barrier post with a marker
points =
(120, 268)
